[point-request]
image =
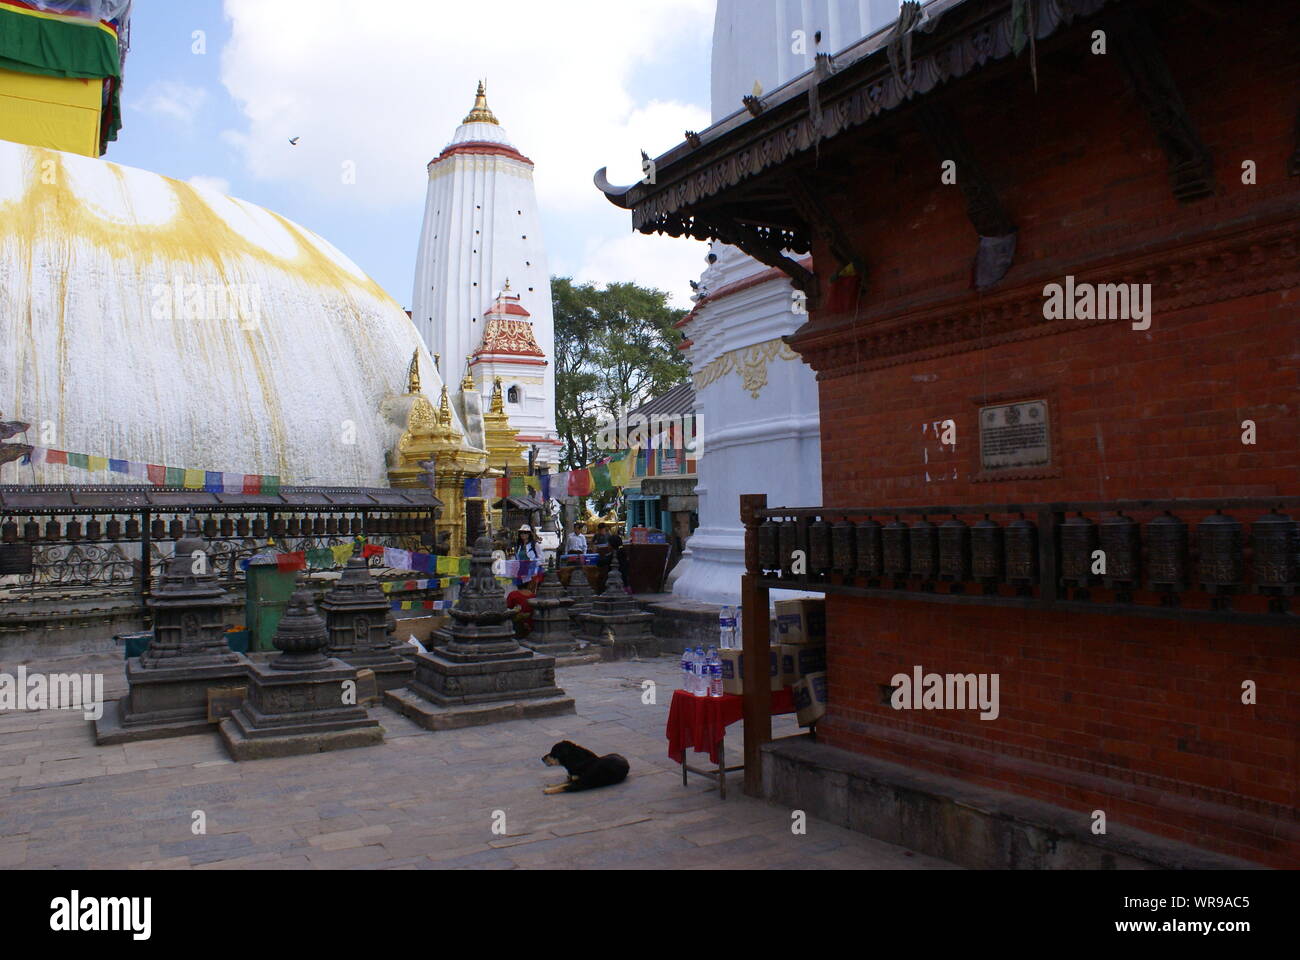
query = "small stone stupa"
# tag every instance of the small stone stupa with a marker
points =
(580, 590)
(301, 701)
(617, 624)
(187, 656)
(478, 673)
(552, 631)
(357, 618)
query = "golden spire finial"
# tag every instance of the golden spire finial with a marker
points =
(468, 382)
(444, 410)
(413, 373)
(481, 113)
(498, 401)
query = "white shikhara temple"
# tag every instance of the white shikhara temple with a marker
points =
(482, 298)
(756, 401)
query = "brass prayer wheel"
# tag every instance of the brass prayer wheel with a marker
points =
(209, 526)
(768, 548)
(227, 525)
(31, 530)
(332, 526)
(93, 529)
(1167, 553)
(259, 528)
(277, 526)
(176, 529)
(242, 527)
(1078, 542)
(318, 526)
(924, 544)
(954, 551)
(819, 547)
(868, 539)
(9, 532)
(1020, 542)
(1122, 544)
(157, 528)
(53, 531)
(294, 526)
(132, 528)
(1272, 543)
(1221, 563)
(358, 525)
(114, 529)
(842, 547)
(894, 547)
(986, 551)
(788, 540)
(73, 530)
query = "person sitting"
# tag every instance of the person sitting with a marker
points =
(577, 541)
(520, 604)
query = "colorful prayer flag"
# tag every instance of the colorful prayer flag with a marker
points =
(579, 483)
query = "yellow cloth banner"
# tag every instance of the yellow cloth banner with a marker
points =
(621, 471)
(195, 479)
(96, 463)
(342, 554)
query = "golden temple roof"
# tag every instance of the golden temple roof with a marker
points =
(481, 113)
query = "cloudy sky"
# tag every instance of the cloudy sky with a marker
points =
(380, 88)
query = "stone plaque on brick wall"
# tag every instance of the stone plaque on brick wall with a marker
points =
(1015, 436)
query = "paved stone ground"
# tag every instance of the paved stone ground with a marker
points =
(421, 800)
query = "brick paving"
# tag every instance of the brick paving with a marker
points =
(420, 800)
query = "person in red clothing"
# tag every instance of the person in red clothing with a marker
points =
(519, 602)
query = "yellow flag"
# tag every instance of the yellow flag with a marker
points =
(195, 479)
(620, 471)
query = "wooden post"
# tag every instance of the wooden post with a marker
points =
(756, 646)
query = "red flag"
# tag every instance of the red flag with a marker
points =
(371, 550)
(56, 456)
(579, 483)
(157, 474)
(289, 562)
(252, 483)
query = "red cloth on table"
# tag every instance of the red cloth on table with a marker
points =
(701, 722)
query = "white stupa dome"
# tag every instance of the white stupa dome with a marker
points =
(149, 320)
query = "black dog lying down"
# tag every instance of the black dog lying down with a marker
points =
(586, 770)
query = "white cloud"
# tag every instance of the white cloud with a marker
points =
(215, 184)
(651, 261)
(172, 99)
(388, 91)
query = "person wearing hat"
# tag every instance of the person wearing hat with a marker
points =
(528, 548)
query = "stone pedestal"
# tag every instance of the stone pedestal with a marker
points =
(617, 624)
(187, 656)
(552, 630)
(581, 592)
(478, 673)
(299, 702)
(357, 618)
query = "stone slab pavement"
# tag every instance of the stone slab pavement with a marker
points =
(421, 800)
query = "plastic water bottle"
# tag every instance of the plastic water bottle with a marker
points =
(701, 673)
(727, 627)
(715, 673)
(688, 683)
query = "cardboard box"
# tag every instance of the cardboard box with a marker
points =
(800, 621)
(733, 670)
(810, 699)
(800, 659)
(422, 628)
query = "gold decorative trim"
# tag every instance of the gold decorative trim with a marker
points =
(750, 362)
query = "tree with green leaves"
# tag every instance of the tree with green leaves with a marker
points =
(615, 348)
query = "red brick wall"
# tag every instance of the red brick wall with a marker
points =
(1140, 718)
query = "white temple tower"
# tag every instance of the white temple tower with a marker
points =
(482, 262)
(745, 308)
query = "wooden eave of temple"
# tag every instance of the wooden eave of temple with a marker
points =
(761, 178)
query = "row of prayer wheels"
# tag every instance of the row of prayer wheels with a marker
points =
(991, 553)
(213, 526)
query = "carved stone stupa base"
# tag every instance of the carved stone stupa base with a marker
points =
(476, 673)
(300, 701)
